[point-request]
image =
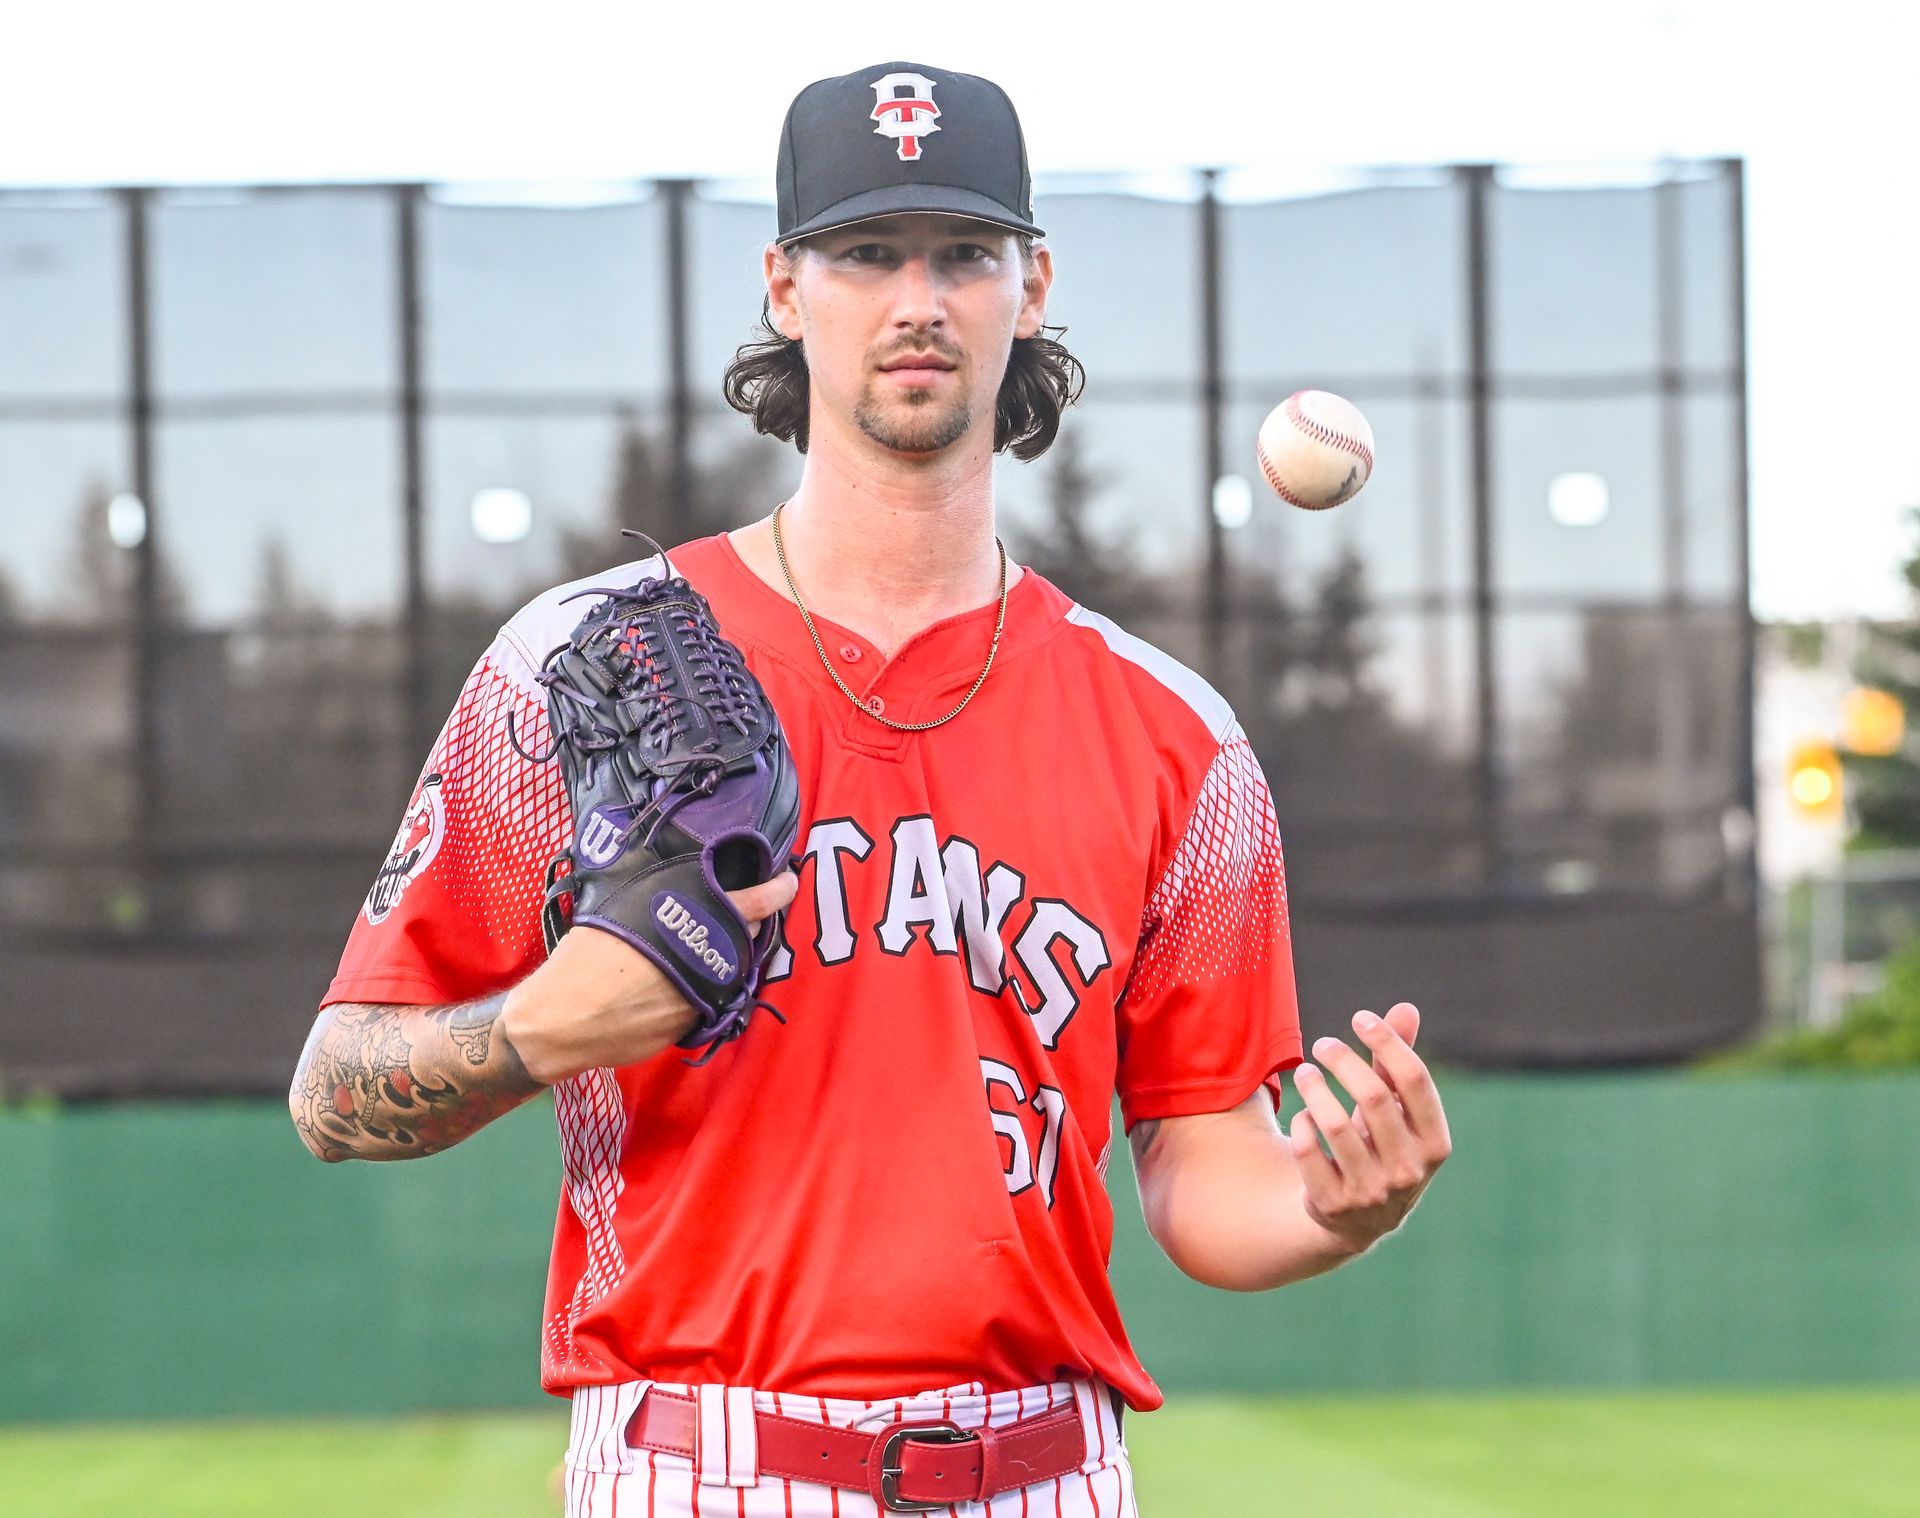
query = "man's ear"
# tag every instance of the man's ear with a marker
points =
(1033, 305)
(783, 298)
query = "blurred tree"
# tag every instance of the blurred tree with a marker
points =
(104, 574)
(1276, 636)
(1878, 1031)
(1094, 568)
(1309, 665)
(1368, 801)
(283, 601)
(729, 491)
(1805, 643)
(1884, 789)
(1340, 645)
(294, 701)
(1624, 762)
(732, 490)
(12, 604)
(641, 482)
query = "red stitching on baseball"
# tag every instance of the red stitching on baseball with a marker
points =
(1326, 434)
(1266, 468)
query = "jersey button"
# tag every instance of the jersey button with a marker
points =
(850, 652)
(876, 705)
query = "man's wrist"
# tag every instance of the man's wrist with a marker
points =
(1336, 1244)
(530, 1035)
(595, 1002)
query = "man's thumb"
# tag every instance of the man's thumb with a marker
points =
(763, 900)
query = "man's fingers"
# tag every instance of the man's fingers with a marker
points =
(1350, 1151)
(1404, 1018)
(1316, 1170)
(1396, 1063)
(761, 901)
(1376, 1112)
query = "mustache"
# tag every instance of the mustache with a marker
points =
(930, 345)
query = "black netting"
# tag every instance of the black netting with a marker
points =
(193, 803)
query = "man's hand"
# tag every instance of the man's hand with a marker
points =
(598, 1001)
(1386, 1150)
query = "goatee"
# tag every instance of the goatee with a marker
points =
(924, 427)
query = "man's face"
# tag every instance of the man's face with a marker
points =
(908, 322)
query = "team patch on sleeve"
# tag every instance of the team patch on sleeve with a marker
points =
(414, 847)
(483, 821)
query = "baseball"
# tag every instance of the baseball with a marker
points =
(1316, 449)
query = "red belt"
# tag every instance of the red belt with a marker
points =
(905, 1467)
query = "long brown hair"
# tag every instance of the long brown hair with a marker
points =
(767, 380)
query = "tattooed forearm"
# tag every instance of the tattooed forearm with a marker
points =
(393, 1083)
(1142, 1135)
(471, 1029)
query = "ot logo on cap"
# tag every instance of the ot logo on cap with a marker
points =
(899, 115)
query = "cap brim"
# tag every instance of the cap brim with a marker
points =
(894, 200)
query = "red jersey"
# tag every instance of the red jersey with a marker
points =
(1074, 888)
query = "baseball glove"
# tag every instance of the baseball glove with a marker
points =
(682, 789)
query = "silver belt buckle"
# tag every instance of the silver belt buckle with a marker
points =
(891, 1470)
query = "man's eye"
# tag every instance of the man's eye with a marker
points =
(866, 252)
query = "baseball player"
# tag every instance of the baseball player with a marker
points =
(858, 1263)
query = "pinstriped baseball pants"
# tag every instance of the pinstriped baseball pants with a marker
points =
(607, 1478)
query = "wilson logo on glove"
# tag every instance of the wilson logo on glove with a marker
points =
(686, 925)
(601, 838)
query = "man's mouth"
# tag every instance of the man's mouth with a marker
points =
(916, 363)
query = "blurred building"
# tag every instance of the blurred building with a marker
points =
(275, 463)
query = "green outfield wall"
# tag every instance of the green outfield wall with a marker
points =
(1591, 1231)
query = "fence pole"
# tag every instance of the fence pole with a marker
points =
(1674, 645)
(417, 718)
(1735, 170)
(680, 503)
(1216, 610)
(1478, 179)
(149, 776)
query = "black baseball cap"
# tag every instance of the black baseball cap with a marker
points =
(902, 137)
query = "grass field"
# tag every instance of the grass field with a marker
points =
(1705, 1455)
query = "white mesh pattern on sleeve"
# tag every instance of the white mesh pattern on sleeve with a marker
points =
(1220, 907)
(592, 1116)
(506, 817)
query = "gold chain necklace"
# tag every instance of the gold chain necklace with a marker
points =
(780, 551)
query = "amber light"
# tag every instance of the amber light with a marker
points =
(1813, 779)
(1872, 722)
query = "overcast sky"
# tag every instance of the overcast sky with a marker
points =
(1818, 100)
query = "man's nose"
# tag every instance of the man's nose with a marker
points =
(917, 297)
